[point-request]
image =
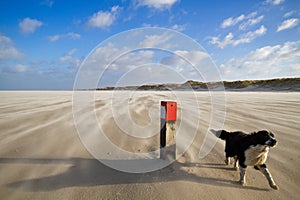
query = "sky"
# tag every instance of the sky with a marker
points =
(45, 43)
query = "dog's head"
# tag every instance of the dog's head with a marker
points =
(266, 138)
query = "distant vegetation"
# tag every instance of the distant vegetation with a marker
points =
(282, 84)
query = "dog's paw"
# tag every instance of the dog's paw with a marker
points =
(242, 183)
(275, 187)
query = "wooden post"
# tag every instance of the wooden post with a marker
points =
(168, 130)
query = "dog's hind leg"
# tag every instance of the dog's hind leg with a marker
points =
(242, 175)
(235, 166)
(263, 168)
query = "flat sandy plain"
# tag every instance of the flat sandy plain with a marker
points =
(42, 157)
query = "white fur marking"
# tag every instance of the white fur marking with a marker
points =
(256, 155)
(242, 176)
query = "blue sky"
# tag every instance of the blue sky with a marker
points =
(44, 42)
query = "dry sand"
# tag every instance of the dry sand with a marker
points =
(42, 157)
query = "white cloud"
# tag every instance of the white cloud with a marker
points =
(266, 62)
(274, 2)
(118, 58)
(288, 14)
(70, 35)
(244, 38)
(189, 64)
(73, 35)
(68, 55)
(8, 52)
(54, 38)
(232, 21)
(181, 57)
(133, 60)
(245, 21)
(178, 27)
(104, 19)
(263, 53)
(70, 60)
(251, 22)
(250, 36)
(222, 43)
(287, 24)
(156, 4)
(150, 41)
(149, 25)
(28, 25)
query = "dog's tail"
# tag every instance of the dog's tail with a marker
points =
(222, 134)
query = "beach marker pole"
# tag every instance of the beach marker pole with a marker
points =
(168, 130)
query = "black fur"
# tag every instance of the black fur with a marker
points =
(238, 145)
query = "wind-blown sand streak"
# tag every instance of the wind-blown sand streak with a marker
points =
(42, 157)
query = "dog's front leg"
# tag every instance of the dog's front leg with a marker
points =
(227, 160)
(242, 175)
(263, 168)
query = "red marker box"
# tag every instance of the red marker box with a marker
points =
(169, 110)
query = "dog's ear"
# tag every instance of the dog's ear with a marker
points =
(270, 133)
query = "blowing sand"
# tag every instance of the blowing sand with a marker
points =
(42, 157)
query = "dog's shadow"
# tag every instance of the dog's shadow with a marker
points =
(90, 172)
(231, 182)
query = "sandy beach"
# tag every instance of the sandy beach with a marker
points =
(43, 157)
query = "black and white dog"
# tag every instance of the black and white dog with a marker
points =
(248, 150)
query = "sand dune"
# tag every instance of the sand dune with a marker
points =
(42, 156)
